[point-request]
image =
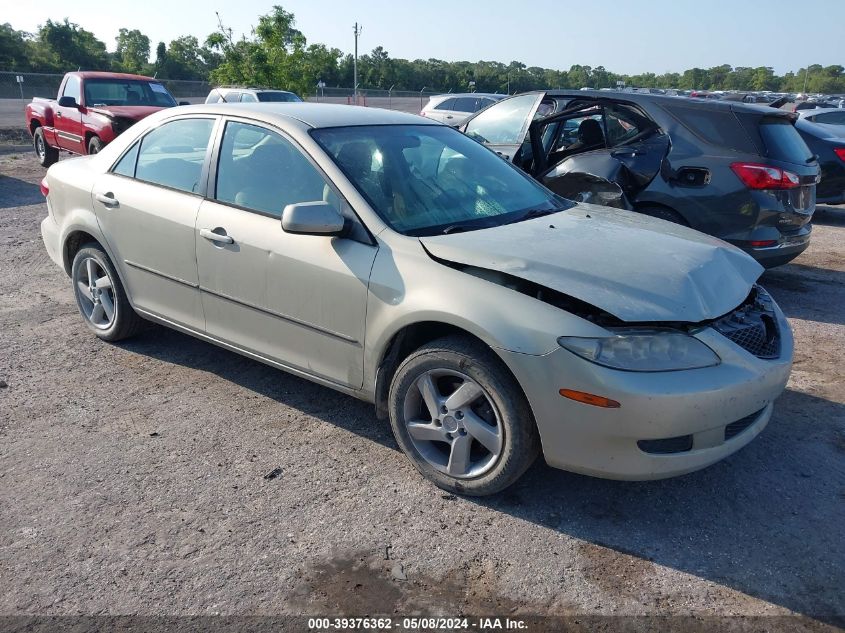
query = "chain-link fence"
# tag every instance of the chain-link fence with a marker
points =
(47, 85)
(404, 100)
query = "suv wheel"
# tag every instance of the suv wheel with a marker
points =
(461, 418)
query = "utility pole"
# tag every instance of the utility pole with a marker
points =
(806, 72)
(357, 32)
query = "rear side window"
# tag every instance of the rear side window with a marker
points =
(172, 155)
(466, 104)
(718, 127)
(246, 97)
(448, 104)
(831, 118)
(783, 142)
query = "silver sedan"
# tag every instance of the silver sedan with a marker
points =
(396, 260)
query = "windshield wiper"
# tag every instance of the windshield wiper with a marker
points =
(534, 213)
(459, 228)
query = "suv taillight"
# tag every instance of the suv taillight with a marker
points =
(45, 188)
(757, 176)
(839, 151)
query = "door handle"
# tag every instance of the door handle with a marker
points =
(216, 237)
(58, 115)
(107, 200)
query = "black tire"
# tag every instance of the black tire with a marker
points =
(663, 213)
(520, 439)
(95, 145)
(46, 155)
(125, 321)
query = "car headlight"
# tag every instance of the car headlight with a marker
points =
(643, 351)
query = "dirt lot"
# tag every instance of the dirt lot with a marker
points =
(133, 481)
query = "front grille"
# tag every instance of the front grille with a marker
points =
(121, 124)
(753, 326)
(680, 444)
(735, 428)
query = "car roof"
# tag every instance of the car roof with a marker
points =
(95, 74)
(644, 98)
(468, 94)
(315, 115)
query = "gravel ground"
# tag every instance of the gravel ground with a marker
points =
(134, 479)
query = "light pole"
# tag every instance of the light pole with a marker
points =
(390, 97)
(357, 32)
(421, 103)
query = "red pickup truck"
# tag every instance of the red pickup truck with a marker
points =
(92, 108)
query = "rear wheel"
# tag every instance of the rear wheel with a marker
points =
(94, 145)
(46, 155)
(461, 417)
(664, 213)
(100, 296)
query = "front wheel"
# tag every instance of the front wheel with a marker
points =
(461, 417)
(100, 296)
(46, 155)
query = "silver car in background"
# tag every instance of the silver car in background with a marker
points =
(396, 260)
(455, 109)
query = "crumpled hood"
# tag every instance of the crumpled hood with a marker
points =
(637, 268)
(136, 113)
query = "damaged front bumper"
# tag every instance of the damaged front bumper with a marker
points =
(669, 423)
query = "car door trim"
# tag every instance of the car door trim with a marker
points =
(292, 369)
(68, 136)
(158, 273)
(284, 317)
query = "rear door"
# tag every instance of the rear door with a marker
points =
(504, 127)
(146, 207)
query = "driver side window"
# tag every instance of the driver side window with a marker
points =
(260, 170)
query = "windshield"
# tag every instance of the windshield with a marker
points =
(430, 179)
(126, 92)
(277, 97)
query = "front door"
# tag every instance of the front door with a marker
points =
(504, 127)
(299, 300)
(147, 207)
(70, 133)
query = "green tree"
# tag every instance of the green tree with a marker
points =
(15, 48)
(133, 50)
(63, 45)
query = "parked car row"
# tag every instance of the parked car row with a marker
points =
(485, 304)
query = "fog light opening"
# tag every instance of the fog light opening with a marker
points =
(589, 398)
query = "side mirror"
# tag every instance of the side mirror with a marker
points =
(184, 103)
(68, 102)
(313, 218)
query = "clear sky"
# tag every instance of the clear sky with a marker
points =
(621, 35)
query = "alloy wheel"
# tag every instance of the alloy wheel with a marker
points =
(95, 292)
(453, 423)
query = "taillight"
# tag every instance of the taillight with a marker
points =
(756, 176)
(422, 112)
(839, 151)
(45, 188)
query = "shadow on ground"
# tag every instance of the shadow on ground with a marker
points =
(766, 522)
(18, 193)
